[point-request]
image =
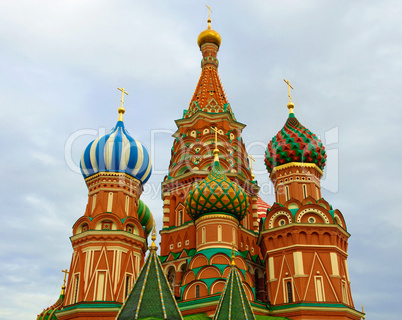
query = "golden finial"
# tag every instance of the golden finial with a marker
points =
(121, 110)
(209, 35)
(233, 263)
(209, 16)
(363, 312)
(63, 288)
(153, 237)
(251, 165)
(290, 104)
(216, 151)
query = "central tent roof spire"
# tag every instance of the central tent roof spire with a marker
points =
(209, 95)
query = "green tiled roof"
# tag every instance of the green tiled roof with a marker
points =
(270, 318)
(234, 303)
(199, 316)
(151, 296)
(49, 313)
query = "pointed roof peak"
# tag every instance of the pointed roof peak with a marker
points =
(234, 303)
(151, 296)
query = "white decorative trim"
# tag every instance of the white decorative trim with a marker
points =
(319, 212)
(277, 214)
(338, 221)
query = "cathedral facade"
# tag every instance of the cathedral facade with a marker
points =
(224, 252)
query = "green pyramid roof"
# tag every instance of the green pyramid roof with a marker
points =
(234, 303)
(151, 296)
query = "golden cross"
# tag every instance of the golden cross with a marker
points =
(122, 96)
(216, 150)
(251, 164)
(289, 86)
(65, 275)
(121, 109)
(209, 12)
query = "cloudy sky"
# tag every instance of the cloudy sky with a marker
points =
(60, 65)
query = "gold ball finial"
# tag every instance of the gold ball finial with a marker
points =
(216, 150)
(233, 263)
(153, 237)
(290, 104)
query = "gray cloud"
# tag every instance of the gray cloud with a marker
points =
(62, 61)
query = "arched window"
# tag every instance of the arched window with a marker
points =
(197, 291)
(76, 283)
(180, 218)
(256, 284)
(304, 191)
(128, 285)
(127, 204)
(287, 193)
(171, 276)
(234, 235)
(110, 202)
(289, 291)
(183, 270)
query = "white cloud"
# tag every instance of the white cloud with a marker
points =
(62, 61)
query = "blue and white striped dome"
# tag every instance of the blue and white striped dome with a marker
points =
(117, 152)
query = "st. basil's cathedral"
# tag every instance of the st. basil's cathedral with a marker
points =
(224, 252)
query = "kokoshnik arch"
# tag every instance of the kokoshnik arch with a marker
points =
(224, 252)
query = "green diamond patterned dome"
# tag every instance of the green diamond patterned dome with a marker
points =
(294, 143)
(216, 194)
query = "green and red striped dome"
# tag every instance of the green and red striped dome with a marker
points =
(294, 143)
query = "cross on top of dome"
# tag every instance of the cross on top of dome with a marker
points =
(121, 110)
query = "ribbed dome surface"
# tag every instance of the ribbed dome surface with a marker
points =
(216, 194)
(294, 143)
(145, 217)
(117, 152)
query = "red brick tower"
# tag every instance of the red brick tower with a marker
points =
(303, 239)
(110, 239)
(191, 161)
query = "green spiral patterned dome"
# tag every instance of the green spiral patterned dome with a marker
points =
(216, 194)
(294, 143)
(145, 216)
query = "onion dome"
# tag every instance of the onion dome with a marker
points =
(49, 313)
(209, 35)
(294, 143)
(117, 151)
(216, 194)
(262, 208)
(145, 217)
